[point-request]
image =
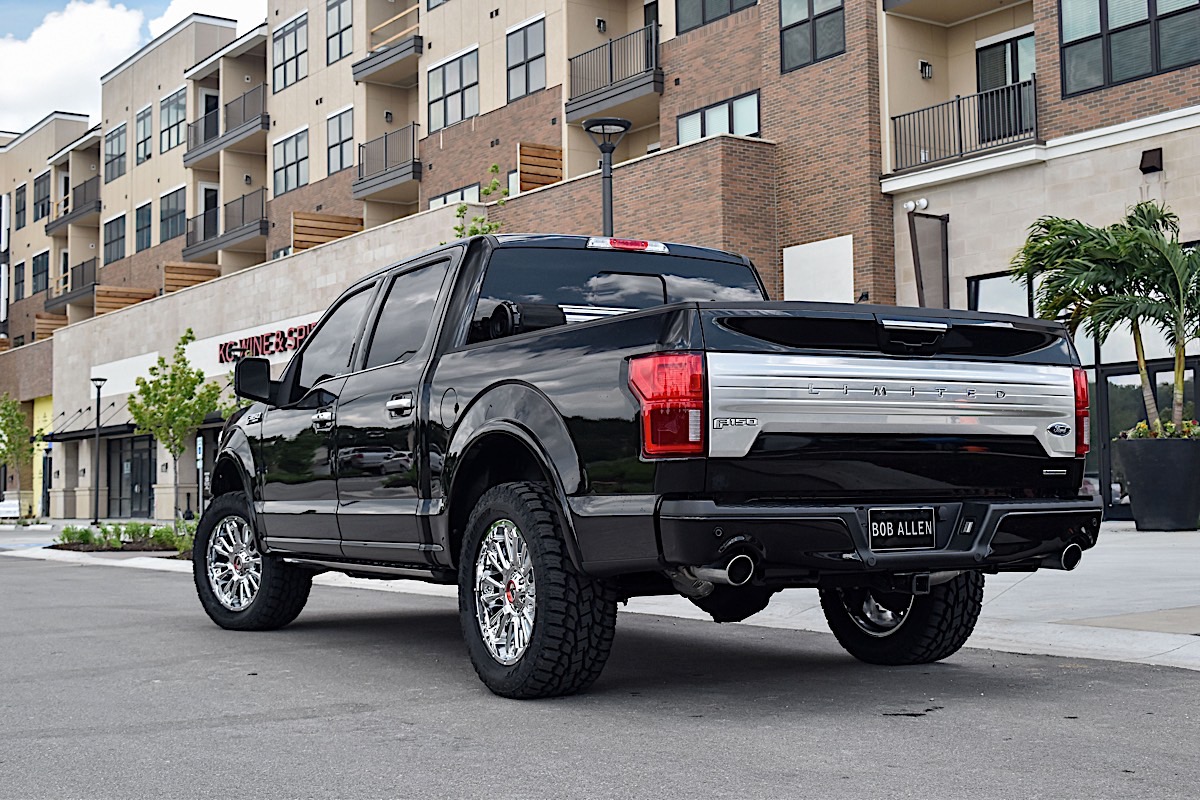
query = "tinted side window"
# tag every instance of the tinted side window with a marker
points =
(407, 314)
(331, 346)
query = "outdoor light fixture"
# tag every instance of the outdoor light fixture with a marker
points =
(1152, 161)
(606, 133)
(97, 382)
(387, 117)
(920, 204)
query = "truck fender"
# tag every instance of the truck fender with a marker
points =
(233, 471)
(521, 412)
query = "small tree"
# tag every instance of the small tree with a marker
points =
(480, 225)
(16, 446)
(172, 403)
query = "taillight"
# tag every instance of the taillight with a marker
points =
(636, 245)
(670, 389)
(1083, 423)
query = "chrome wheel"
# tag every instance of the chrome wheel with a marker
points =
(234, 563)
(505, 597)
(877, 615)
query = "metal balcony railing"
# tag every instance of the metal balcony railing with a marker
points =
(246, 209)
(967, 125)
(406, 23)
(81, 195)
(202, 227)
(79, 276)
(203, 130)
(392, 150)
(614, 61)
(249, 106)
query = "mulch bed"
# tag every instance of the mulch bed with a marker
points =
(138, 546)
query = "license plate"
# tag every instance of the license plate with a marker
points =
(902, 528)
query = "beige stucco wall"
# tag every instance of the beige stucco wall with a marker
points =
(990, 214)
(156, 73)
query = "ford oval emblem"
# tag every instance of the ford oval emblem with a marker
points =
(1060, 429)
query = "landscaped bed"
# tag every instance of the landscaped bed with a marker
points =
(130, 536)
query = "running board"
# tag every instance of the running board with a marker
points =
(382, 570)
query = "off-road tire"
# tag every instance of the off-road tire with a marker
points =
(936, 625)
(283, 588)
(575, 615)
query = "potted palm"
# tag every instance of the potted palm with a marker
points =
(1134, 272)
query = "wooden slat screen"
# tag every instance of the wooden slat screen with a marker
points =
(310, 230)
(538, 165)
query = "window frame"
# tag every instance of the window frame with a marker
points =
(39, 266)
(460, 191)
(20, 206)
(290, 380)
(114, 160)
(166, 220)
(279, 63)
(702, 112)
(144, 146)
(113, 250)
(1151, 22)
(18, 281)
(379, 306)
(171, 135)
(41, 203)
(526, 60)
(148, 207)
(705, 20)
(340, 145)
(276, 168)
(811, 21)
(432, 4)
(461, 91)
(344, 8)
(973, 282)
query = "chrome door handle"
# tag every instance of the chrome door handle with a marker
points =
(399, 406)
(322, 420)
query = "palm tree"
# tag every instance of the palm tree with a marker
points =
(1097, 278)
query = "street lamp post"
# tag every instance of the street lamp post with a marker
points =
(97, 382)
(606, 133)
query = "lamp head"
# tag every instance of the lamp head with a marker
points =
(607, 132)
(98, 382)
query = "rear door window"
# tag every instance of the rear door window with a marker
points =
(405, 321)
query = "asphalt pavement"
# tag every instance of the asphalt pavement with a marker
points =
(115, 684)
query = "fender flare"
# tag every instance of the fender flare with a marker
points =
(236, 452)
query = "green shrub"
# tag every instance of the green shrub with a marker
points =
(136, 531)
(73, 534)
(162, 535)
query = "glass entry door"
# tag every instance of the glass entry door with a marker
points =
(131, 471)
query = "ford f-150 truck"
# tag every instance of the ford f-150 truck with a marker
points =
(582, 421)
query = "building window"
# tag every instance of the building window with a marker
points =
(1107, 42)
(41, 196)
(340, 128)
(514, 183)
(41, 272)
(144, 131)
(290, 51)
(467, 194)
(114, 239)
(454, 91)
(141, 228)
(114, 153)
(19, 208)
(339, 32)
(172, 217)
(691, 14)
(999, 293)
(738, 115)
(527, 60)
(291, 163)
(435, 3)
(19, 282)
(18, 341)
(172, 113)
(810, 30)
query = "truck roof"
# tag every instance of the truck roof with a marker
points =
(564, 241)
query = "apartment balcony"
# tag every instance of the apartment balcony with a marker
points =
(82, 207)
(78, 287)
(395, 48)
(388, 169)
(966, 127)
(245, 129)
(245, 228)
(946, 14)
(622, 77)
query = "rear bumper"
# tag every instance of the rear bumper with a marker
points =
(798, 542)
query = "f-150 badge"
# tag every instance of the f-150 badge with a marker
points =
(735, 422)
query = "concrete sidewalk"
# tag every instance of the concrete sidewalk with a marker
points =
(1135, 597)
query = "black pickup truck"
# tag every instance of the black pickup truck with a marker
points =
(558, 423)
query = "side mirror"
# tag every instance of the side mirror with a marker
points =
(252, 380)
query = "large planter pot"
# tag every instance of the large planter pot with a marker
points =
(1163, 479)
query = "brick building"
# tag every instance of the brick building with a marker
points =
(814, 135)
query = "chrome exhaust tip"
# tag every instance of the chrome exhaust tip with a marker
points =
(1071, 556)
(737, 572)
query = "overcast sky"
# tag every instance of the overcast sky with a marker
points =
(53, 53)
